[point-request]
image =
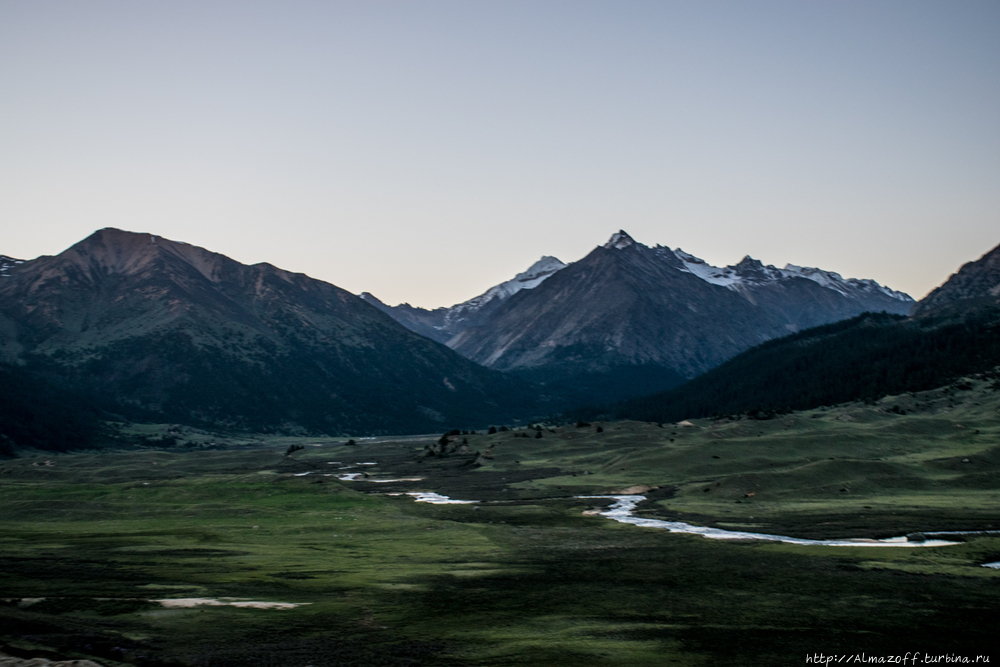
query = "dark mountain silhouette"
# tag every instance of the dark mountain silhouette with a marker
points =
(152, 329)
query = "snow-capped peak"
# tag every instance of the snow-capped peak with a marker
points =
(541, 269)
(536, 274)
(529, 279)
(619, 240)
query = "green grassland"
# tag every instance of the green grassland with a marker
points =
(523, 577)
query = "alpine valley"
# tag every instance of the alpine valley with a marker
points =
(208, 464)
(142, 328)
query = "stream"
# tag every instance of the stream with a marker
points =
(624, 506)
(621, 511)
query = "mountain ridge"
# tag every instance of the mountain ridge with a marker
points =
(978, 281)
(627, 304)
(164, 330)
(951, 333)
(441, 324)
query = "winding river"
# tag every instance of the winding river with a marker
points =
(622, 511)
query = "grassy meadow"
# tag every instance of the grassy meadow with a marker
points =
(529, 575)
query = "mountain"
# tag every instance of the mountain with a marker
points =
(975, 284)
(864, 358)
(441, 324)
(627, 306)
(153, 329)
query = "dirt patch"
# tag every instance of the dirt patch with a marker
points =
(639, 488)
(186, 603)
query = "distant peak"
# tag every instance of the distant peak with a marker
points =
(114, 231)
(372, 299)
(749, 262)
(619, 240)
(547, 264)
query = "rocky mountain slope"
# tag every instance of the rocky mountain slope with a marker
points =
(627, 305)
(441, 324)
(975, 283)
(155, 329)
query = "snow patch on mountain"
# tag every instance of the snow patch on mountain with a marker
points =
(752, 272)
(619, 240)
(530, 279)
(442, 324)
(727, 276)
(7, 263)
(840, 284)
(536, 274)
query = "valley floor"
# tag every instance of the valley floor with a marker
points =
(222, 555)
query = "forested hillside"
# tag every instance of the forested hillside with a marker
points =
(864, 358)
(36, 414)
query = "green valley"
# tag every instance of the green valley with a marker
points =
(91, 543)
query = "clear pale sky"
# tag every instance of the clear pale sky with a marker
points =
(424, 151)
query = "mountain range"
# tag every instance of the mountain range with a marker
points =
(129, 326)
(953, 332)
(156, 330)
(630, 319)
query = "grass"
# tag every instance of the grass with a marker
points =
(526, 579)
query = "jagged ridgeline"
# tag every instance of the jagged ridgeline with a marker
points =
(629, 319)
(149, 329)
(955, 331)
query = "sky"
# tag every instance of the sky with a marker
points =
(426, 150)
